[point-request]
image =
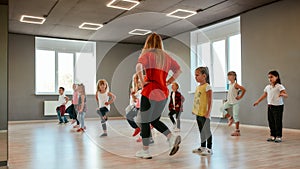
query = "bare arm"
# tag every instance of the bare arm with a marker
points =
(112, 98)
(174, 77)
(209, 103)
(66, 100)
(237, 86)
(82, 102)
(139, 71)
(283, 94)
(262, 97)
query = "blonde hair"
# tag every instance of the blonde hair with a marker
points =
(135, 81)
(102, 82)
(176, 84)
(81, 85)
(154, 44)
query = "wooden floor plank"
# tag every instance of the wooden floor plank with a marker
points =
(48, 145)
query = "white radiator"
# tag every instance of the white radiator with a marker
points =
(50, 107)
(216, 108)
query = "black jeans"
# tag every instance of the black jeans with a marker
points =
(72, 112)
(275, 114)
(150, 112)
(171, 113)
(205, 133)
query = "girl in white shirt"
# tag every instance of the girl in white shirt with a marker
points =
(104, 98)
(275, 92)
(233, 99)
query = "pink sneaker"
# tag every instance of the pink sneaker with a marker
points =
(76, 126)
(139, 140)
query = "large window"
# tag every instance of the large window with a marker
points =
(219, 48)
(61, 62)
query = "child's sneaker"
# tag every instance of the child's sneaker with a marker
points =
(206, 152)
(103, 135)
(236, 133)
(76, 126)
(271, 139)
(139, 140)
(145, 154)
(278, 140)
(136, 132)
(80, 130)
(174, 142)
(199, 150)
(176, 130)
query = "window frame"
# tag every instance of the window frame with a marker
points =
(57, 51)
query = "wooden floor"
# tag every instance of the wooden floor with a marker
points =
(46, 145)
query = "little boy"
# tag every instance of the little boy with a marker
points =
(61, 106)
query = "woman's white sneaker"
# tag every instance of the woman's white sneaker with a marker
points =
(206, 152)
(145, 154)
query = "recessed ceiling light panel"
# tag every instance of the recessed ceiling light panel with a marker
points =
(32, 19)
(181, 13)
(139, 32)
(90, 26)
(123, 4)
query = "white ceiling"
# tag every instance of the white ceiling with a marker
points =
(67, 15)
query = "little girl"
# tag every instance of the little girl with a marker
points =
(275, 92)
(233, 98)
(202, 108)
(134, 105)
(104, 98)
(175, 106)
(81, 108)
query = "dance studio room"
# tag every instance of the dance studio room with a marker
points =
(94, 84)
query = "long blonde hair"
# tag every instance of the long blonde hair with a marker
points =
(101, 82)
(154, 44)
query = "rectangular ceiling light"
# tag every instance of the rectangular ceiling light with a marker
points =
(139, 32)
(181, 13)
(123, 4)
(90, 26)
(32, 19)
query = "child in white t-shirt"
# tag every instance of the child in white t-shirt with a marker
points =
(61, 106)
(275, 92)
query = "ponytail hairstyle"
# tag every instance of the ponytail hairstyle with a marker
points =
(276, 74)
(232, 73)
(204, 70)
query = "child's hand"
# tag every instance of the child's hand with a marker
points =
(104, 117)
(255, 104)
(106, 103)
(207, 115)
(177, 105)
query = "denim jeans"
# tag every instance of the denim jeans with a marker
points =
(81, 119)
(61, 118)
